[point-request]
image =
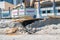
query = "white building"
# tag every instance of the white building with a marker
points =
(47, 8)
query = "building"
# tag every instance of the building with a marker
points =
(20, 10)
(5, 7)
(47, 7)
(29, 5)
(51, 9)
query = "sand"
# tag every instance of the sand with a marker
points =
(53, 29)
(30, 37)
(47, 32)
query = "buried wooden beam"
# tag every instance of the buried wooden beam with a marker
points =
(55, 17)
(28, 22)
(24, 23)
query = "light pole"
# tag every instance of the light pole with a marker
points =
(25, 8)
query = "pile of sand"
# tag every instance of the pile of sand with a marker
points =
(50, 29)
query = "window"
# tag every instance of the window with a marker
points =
(59, 10)
(49, 11)
(43, 12)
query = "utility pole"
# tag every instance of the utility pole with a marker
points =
(54, 9)
(9, 12)
(25, 8)
(0, 13)
(38, 10)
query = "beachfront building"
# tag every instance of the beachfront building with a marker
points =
(18, 10)
(21, 10)
(49, 7)
(45, 9)
(27, 8)
(4, 9)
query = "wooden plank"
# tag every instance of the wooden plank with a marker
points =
(22, 20)
(56, 17)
